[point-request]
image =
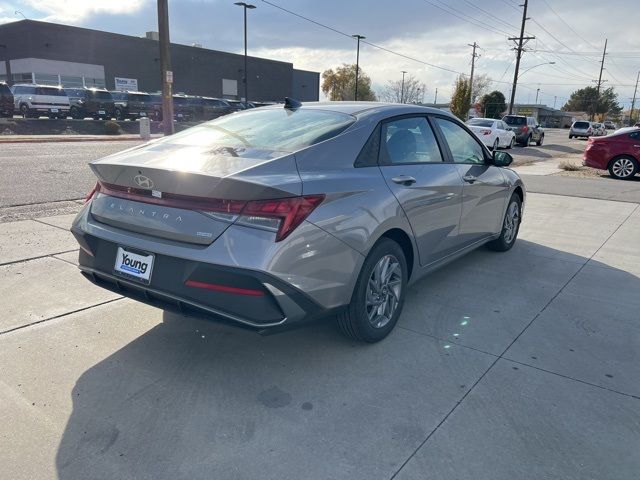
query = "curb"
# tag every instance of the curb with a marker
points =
(75, 139)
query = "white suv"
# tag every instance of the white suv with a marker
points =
(33, 101)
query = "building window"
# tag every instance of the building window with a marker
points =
(22, 77)
(94, 82)
(68, 81)
(47, 79)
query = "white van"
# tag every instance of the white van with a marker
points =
(33, 101)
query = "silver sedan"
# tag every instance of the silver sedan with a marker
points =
(275, 216)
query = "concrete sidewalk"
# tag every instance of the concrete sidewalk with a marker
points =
(522, 365)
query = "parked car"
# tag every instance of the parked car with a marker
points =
(33, 101)
(185, 108)
(96, 103)
(6, 101)
(156, 106)
(493, 133)
(132, 105)
(288, 213)
(527, 129)
(598, 129)
(609, 125)
(214, 108)
(581, 129)
(619, 153)
(236, 105)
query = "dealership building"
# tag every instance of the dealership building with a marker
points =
(49, 53)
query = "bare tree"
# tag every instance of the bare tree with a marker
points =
(481, 84)
(414, 91)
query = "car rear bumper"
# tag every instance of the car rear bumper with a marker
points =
(243, 277)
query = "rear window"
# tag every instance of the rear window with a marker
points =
(476, 122)
(51, 91)
(281, 130)
(584, 125)
(515, 120)
(139, 97)
(180, 100)
(101, 95)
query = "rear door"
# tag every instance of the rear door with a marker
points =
(485, 188)
(428, 188)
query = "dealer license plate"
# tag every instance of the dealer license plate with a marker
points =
(134, 265)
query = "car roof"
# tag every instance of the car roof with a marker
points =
(36, 85)
(357, 108)
(485, 118)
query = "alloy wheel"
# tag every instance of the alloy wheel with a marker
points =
(511, 221)
(622, 168)
(383, 291)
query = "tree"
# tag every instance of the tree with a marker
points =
(460, 103)
(413, 91)
(492, 105)
(339, 84)
(586, 100)
(481, 85)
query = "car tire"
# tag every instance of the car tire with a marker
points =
(570, 137)
(362, 319)
(541, 141)
(496, 145)
(623, 167)
(512, 143)
(24, 111)
(510, 226)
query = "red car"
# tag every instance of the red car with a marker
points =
(619, 153)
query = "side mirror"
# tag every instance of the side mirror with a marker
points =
(502, 159)
(538, 126)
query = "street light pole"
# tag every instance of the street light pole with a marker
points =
(358, 37)
(402, 89)
(165, 67)
(537, 92)
(245, 6)
(633, 103)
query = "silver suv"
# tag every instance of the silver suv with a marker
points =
(581, 128)
(33, 101)
(278, 215)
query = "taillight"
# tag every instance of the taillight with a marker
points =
(486, 132)
(280, 215)
(525, 129)
(93, 191)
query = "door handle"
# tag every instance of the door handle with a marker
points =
(405, 180)
(470, 178)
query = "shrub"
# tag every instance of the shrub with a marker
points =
(569, 167)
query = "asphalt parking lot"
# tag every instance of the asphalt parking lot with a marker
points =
(521, 365)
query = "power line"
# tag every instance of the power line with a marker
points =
(469, 19)
(568, 26)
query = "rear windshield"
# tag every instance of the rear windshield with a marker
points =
(515, 120)
(101, 95)
(581, 125)
(51, 91)
(476, 122)
(138, 97)
(281, 130)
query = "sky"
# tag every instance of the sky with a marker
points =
(429, 38)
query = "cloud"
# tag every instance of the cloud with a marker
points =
(79, 10)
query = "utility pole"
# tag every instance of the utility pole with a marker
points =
(633, 102)
(521, 42)
(402, 89)
(435, 100)
(165, 67)
(474, 55)
(599, 80)
(555, 99)
(358, 37)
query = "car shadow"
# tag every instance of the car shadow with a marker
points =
(191, 398)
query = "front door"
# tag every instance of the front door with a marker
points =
(485, 188)
(428, 189)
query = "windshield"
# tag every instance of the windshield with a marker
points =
(180, 100)
(100, 95)
(275, 129)
(51, 91)
(477, 122)
(515, 120)
(137, 97)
